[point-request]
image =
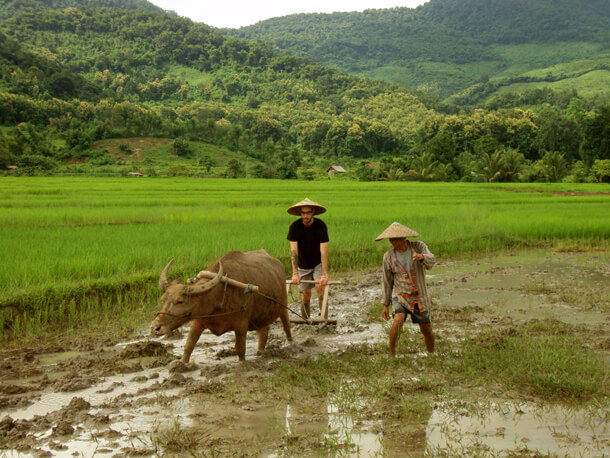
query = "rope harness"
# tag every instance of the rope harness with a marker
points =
(413, 296)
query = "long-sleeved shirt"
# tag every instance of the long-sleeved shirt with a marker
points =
(393, 278)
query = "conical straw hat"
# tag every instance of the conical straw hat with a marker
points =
(296, 208)
(396, 231)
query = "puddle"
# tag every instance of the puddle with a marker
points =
(527, 285)
(360, 439)
(53, 359)
(548, 430)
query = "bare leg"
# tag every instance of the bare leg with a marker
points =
(320, 292)
(426, 330)
(263, 333)
(399, 320)
(240, 344)
(194, 334)
(305, 308)
(286, 324)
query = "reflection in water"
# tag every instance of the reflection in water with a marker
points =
(361, 441)
(342, 433)
(553, 430)
(288, 430)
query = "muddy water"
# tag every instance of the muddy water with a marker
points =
(503, 427)
(571, 287)
(82, 403)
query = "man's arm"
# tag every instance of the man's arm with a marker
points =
(294, 261)
(388, 285)
(324, 256)
(424, 255)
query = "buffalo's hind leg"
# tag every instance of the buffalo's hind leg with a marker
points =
(263, 333)
(286, 325)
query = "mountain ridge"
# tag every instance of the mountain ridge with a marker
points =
(451, 43)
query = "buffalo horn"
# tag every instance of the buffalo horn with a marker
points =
(163, 283)
(208, 285)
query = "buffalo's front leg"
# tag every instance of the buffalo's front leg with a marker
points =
(240, 344)
(263, 333)
(194, 334)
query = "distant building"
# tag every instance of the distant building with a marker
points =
(12, 167)
(334, 168)
(136, 174)
(371, 164)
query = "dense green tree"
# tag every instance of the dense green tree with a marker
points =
(182, 147)
(235, 169)
(601, 170)
(442, 148)
(5, 152)
(368, 173)
(558, 133)
(596, 144)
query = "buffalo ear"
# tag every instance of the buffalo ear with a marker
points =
(176, 281)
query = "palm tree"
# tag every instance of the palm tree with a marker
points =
(490, 167)
(513, 162)
(443, 172)
(554, 166)
(393, 175)
(422, 167)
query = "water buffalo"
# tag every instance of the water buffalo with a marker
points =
(214, 305)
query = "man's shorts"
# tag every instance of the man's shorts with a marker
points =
(309, 274)
(416, 315)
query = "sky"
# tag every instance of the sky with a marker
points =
(239, 13)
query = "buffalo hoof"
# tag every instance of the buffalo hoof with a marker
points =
(177, 367)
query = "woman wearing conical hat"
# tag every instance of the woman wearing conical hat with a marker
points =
(308, 238)
(404, 274)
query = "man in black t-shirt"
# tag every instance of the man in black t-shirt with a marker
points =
(308, 238)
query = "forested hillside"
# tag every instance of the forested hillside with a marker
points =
(12, 8)
(82, 89)
(445, 46)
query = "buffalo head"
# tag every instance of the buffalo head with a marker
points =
(179, 301)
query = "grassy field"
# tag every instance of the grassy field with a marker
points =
(73, 244)
(586, 85)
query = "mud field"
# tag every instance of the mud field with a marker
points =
(135, 399)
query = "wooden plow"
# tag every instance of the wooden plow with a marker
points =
(323, 318)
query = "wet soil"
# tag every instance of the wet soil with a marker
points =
(136, 399)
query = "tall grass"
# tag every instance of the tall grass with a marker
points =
(63, 236)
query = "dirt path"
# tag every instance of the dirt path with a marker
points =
(118, 400)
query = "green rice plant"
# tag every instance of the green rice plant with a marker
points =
(72, 240)
(544, 358)
(415, 409)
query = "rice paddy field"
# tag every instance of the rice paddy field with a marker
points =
(76, 244)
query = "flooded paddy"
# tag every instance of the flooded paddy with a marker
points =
(134, 398)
